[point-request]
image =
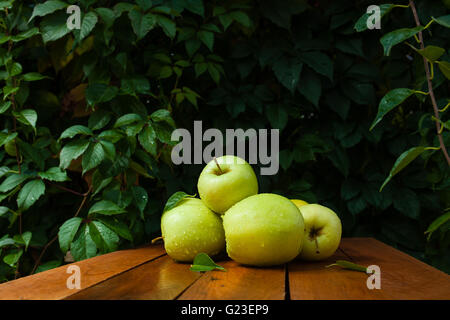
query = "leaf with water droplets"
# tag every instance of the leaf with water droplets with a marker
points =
(202, 262)
(349, 265)
(174, 199)
(30, 193)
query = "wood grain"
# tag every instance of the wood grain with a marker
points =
(402, 276)
(239, 283)
(51, 284)
(161, 279)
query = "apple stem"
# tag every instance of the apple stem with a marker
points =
(317, 246)
(217, 164)
(157, 239)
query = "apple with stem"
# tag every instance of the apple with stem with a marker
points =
(225, 181)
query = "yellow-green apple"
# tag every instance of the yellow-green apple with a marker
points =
(299, 202)
(323, 231)
(226, 180)
(191, 228)
(263, 230)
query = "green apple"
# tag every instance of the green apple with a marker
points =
(323, 231)
(263, 230)
(191, 228)
(225, 181)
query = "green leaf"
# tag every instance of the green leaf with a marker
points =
(241, 17)
(12, 181)
(48, 265)
(195, 6)
(397, 36)
(147, 138)
(100, 92)
(402, 161)
(106, 15)
(105, 239)
(46, 8)
(71, 151)
(127, 119)
(349, 265)
(34, 76)
(4, 106)
(444, 66)
(162, 115)
(207, 38)
(202, 262)
(3, 210)
(437, 223)
(54, 27)
(30, 193)
(25, 35)
(5, 137)
(88, 24)
(310, 87)
(24, 239)
(99, 119)
(288, 71)
(54, 174)
(75, 130)
(443, 21)
(106, 207)
(27, 117)
(6, 242)
(392, 99)
(277, 116)
(117, 226)
(140, 197)
(141, 23)
(67, 232)
(432, 53)
(319, 62)
(407, 202)
(175, 199)
(109, 149)
(83, 247)
(361, 24)
(93, 156)
(12, 258)
(168, 26)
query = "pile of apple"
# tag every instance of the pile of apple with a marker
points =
(256, 229)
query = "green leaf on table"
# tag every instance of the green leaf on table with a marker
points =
(30, 193)
(54, 174)
(437, 223)
(83, 247)
(349, 265)
(432, 53)
(397, 36)
(75, 130)
(105, 239)
(106, 207)
(392, 99)
(175, 199)
(402, 161)
(141, 23)
(202, 262)
(46, 8)
(361, 24)
(444, 66)
(93, 156)
(443, 21)
(67, 232)
(71, 151)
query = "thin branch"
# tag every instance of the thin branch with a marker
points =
(430, 86)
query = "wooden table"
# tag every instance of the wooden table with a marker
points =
(148, 273)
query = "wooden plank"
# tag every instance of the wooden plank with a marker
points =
(402, 276)
(52, 284)
(312, 280)
(161, 279)
(239, 283)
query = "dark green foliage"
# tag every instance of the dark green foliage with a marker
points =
(90, 113)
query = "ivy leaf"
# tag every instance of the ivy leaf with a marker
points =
(93, 156)
(106, 207)
(392, 99)
(46, 8)
(202, 262)
(83, 247)
(443, 21)
(175, 199)
(349, 265)
(402, 161)
(67, 232)
(397, 36)
(30, 193)
(105, 239)
(71, 151)
(141, 23)
(54, 174)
